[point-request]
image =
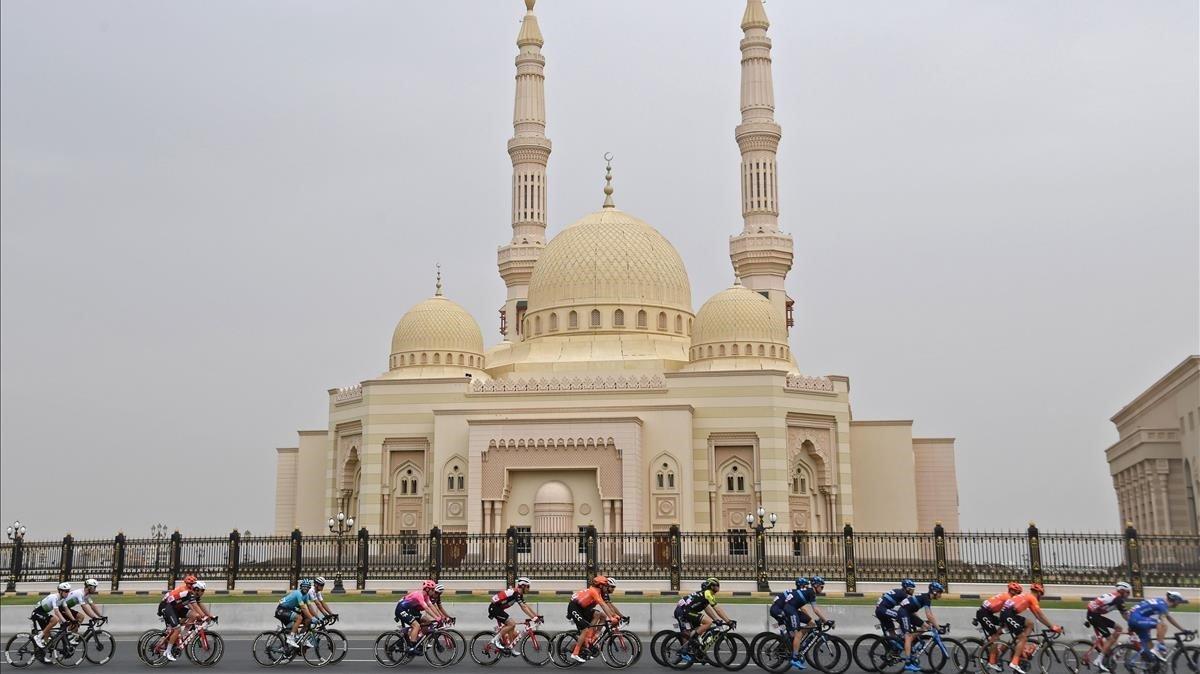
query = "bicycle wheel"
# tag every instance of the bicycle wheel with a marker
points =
(68, 650)
(20, 651)
(483, 651)
(206, 651)
(460, 644)
(441, 649)
(774, 653)
(99, 647)
(656, 645)
(885, 658)
(861, 651)
(1186, 661)
(340, 645)
(1060, 657)
(269, 649)
(935, 657)
(982, 656)
(151, 648)
(318, 649)
(561, 648)
(831, 655)
(731, 651)
(621, 649)
(963, 658)
(535, 648)
(390, 649)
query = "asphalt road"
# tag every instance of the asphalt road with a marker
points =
(237, 658)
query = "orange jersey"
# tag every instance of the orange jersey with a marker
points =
(587, 598)
(997, 602)
(1023, 602)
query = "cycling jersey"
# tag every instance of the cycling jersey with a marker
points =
(796, 598)
(1022, 602)
(696, 602)
(414, 602)
(506, 598)
(313, 595)
(293, 600)
(1105, 603)
(1149, 610)
(892, 598)
(48, 603)
(996, 603)
(77, 597)
(915, 603)
(588, 598)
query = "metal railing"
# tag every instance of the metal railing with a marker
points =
(672, 555)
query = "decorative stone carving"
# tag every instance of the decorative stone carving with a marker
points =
(348, 394)
(585, 509)
(797, 382)
(552, 384)
(523, 509)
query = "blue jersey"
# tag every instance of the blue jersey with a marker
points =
(1150, 609)
(795, 598)
(293, 600)
(916, 602)
(892, 599)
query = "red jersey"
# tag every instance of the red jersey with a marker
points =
(587, 598)
(997, 602)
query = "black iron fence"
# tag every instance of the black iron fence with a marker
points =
(765, 555)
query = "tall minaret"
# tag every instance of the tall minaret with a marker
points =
(530, 151)
(761, 254)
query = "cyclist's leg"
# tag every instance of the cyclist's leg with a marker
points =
(794, 620)
(1022, 639)
(706, 622)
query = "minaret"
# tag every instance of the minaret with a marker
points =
(530, 151)
(761, 254)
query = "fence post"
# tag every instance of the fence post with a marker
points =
(65, 562)
(364, 549)
(235, 558)
(939, 554)
(435, 553)
(848, 549)
(760, 561)
(1035, 554)
(593, 567)
(118, 560)
(294, 570)
(510, 557)
(1133, 559)
(676, 557)
(173, 559)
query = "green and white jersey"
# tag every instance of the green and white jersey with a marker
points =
(76, 597)
(48, 603)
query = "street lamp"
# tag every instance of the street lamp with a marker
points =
(340, 525)
(760, 542)
(158, 532)
(16, 534)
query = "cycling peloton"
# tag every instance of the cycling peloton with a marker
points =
(988, 617)
(1013, 620)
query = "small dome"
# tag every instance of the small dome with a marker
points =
(609, 257)
(738, 323)
(436, 327)
(553, 492)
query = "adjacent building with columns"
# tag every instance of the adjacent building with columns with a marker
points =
(609, 401)
(1155, 465)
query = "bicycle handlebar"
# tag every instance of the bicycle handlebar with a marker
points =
(1184, 636)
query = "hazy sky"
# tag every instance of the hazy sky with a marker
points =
(214, 211)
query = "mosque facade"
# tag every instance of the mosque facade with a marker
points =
(609, 401)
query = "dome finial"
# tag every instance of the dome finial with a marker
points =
(608, 188)
(737, 281)
(437, 288)
(529, 5)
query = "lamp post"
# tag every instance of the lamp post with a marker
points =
(340, 525)
(158, 532)
(16, 534)
(757, 521)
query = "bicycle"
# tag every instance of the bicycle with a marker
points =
(65, 648)
(1040, 647)
(929, 648)
(201, 645)
(1089, 651)
(619, 649)
(439, 645)
(827, 652)
(1181, 659)
(532, 644)
(719, 645)
(313, 644)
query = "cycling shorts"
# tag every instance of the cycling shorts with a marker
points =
(1012, 621)
(172, 614)
(496, 612)
(1101, 623)
(887, 619)
(582, 617)
(788, 616)
(407, 615)
(987, 621)
(285, 615)
(687, 620)
(1142, 627)
(40, 618)
(909, 622)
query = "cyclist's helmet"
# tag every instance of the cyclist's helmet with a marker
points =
(1124, 588)
(710, 583)
(1014, 588)
(64, 587)
(936, 588)
(428, 585)
(523, 581)
(189, 580)
(201, 586)
(600, 581)
(91, 583)
(1174, 597)
(319, 581)
(818, 580)
(304, 584)
(909, 585)
(801, 583)
(438, 588)
(610, 582)
(1038, 589)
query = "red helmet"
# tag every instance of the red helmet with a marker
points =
(1038, 589)
(189, 581)
(600, 581)
(428, 585)
(1014, 588)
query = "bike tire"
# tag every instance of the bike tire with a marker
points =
(389, 649)
(1058, 657)
(99, 647)
(483, 652)
(963, 659)
(207, 654)
(561, 648)
(318, 649)
(1186, 661)
(534, 647)
(884, 657)
(441, 649)
(21, 650)
(982, 653)
(268, 649)
(670, 651)
(774, 653)
(340, 644)
(832, 655)
(148, 634)
(935, 657)
(754, 645)
(733, 653)
(148, 646)
(620, 650)
(68, 650)
(460, 644)
(861, 651)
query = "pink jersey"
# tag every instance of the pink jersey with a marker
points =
(417, 599)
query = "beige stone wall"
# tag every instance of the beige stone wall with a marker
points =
(286, 462)
(310, 481)
(936, 483)
(883, 475)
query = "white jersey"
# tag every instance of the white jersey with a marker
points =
(49, 603)
(76, 597)
(314, 595)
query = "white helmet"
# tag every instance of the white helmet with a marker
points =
(200, 585)
(612, 582)
(319, 580)
(523, 581)
(439, 588)
(1124, 587)
(63, 587)
(92, 583)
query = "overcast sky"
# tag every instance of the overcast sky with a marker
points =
(214, 211)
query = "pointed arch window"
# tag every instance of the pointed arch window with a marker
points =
(678, 323)
(595, 323)
(537, 325)
(735, 479)
(455, 479)
(573, 321)
(553, 322)
(641, 319)
(619, 318)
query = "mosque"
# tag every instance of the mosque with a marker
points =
(610, 402)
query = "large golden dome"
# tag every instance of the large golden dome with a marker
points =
(437, 331)
(740, 323)
(609, 258)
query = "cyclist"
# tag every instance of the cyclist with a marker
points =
(988, 618)
(885, 608)
(1144, 617)
(697, 611)
(411, 609)
(498, 611)
(81, 597)
(181, 603)
(49, 612)
(294, 610)
(1011, 617)
(316, 600)
(1104, 626)
(911, 623)
(581, 610)
(790, 609)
